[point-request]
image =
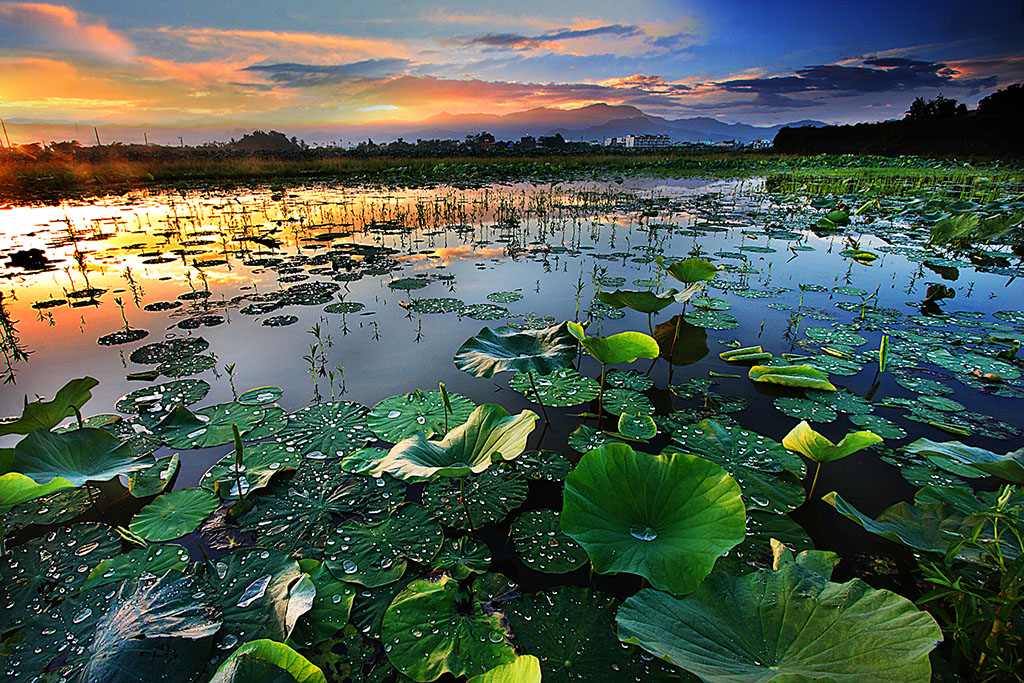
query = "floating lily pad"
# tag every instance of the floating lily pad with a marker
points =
(260, 462)
(168, 350)
(542, 545)
(332, 606)
(842, 401)
(280, 320)
(887, 429)
(629, 379)
(408, 283)
(75, 457)
(619, 401)
(504, 349)
(163, 398)
(399, 417)
(174, 514)
(210, 426)
(153, 560)
(805, 409)
(189, 365)
(484, 311)
(712, 320)
(155, 478)
(585, 438)
(344, 307)
(126, 336)
(637, 426)
(561, 388)
(461, 557)
(923, 385)
(489, 496)
(435, 628)
(543, 465)
(755, 552)
(504, 297)
(253, 590)
(377, 555)
(260, 396)
(326, 430)
(588, 650)
(767, 473)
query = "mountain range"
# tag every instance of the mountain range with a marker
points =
(592, 122)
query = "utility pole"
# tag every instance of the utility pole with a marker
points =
(6, 137)
(146, 138)
(97, 132)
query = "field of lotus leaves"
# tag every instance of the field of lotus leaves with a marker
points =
(636, 430)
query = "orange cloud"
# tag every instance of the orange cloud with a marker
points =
(61, 27)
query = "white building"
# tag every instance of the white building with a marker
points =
(639, 141)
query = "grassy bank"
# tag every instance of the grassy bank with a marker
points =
(47, 178)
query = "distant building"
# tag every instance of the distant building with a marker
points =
(639, 141)
(761, 144)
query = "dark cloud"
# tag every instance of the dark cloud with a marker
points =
(295, 75)
(879, 75)
(518, 41)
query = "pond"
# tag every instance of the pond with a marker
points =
(324, 299)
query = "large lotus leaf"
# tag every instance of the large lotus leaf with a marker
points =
(159, 400)
(804, 440)
(799, 376)
(619, 401)
(253, 589)
(681, 343)
(542, 546)
(48, 414)
(296, 515)
(489, 496)
(1009, 466)
(639, 300)
(929, 528)
(207, 427)
(624, 347)
(16, 488)
(572, 631)
(377, 555)
(77, 456)
(667, 518)
(399, 417)
(268, 662)
(505, 349)
(155, 624)
(489, 434)
(525, 669)
(260, 462)
(559, 389)
(432, 631)
(787, 625)
(155, 478)
(690, 270)
(153, 560)
(174, 514)
(332, 606)
(168, 350)
(462, 557)
(767, 473)
(543, 465)
(44, 570)
(326, 430)
(56, 508)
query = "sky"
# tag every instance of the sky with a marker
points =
(321, 62)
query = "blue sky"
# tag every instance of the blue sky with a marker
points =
(320, 62)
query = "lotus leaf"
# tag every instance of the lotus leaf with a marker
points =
(624, 347)
(805, 409)
(800, 376)
(1009, 466)
(48, 414)
(295, 515)
(585, 438)
(260, 396)
(433, 632)
(174, 514)
(169, 349)
(766, 472)
(489, 434)
(155, 478)
(667, 518)
(326, 430)
(153, 560)
(37, 573)
(254, 590)
(488, 496)
(561, 388)
(188, 365)
(151, 625)
(331, 608)
(269, 662)
(809, 443)
(63, 506)
(691, 270)
(163, 398)
(786, 625)
(208, 427)
(503, 349)
(462, 557)
(885, 428)
(756, 551)
(377, 555)
(260, 462)
(644, 302)
(681, 343)
(16, 488)
(525, 669)
(77, 457)
(712, 320)
(633, 426)
(543, 546)
(399, 417)
(543, 465)
(572, 631)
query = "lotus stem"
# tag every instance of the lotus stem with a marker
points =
(465, 507)
(529, 373)
(810, 493)
(650, 323)
(600, 399)
(238, 461)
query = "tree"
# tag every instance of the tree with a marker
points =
(1006, 102)
(938, 108)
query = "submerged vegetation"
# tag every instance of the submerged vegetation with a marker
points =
(438, 449)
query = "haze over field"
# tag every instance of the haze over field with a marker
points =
(327, 71)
